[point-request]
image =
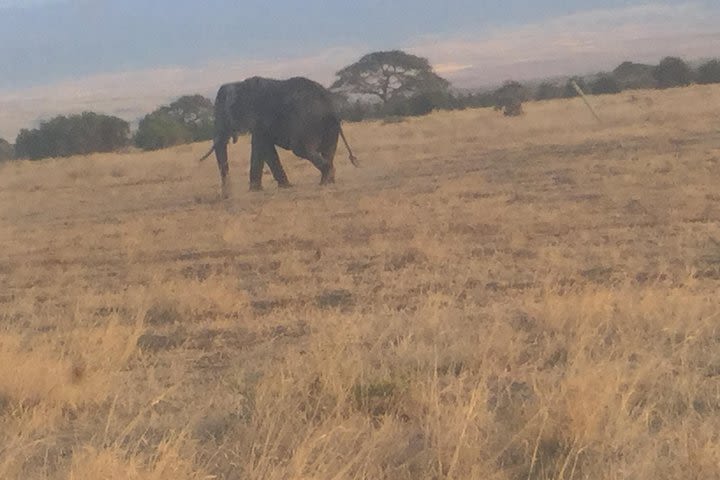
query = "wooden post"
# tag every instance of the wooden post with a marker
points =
(582, 94)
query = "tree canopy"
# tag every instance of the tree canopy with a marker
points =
(387, 75)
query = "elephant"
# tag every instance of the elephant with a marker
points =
(296, 114)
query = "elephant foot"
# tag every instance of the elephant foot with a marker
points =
(256, 187)
(328, 177)
(225, 189)
(285, 185)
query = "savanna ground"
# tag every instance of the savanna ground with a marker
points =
(527, 298)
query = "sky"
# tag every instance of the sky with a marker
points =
(126, 57)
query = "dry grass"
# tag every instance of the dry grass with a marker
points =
(527, 298)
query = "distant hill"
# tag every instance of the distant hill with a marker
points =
(632, 75)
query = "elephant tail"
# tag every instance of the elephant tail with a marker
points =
(353, 158)
(212, 149)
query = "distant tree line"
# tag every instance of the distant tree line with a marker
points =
(391, 84)
(188, 119)
(669, 73)
(508, 98)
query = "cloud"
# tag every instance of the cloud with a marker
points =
(578, 43)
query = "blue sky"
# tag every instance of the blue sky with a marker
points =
(78, 52)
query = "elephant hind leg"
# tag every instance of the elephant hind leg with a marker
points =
(221, 155)
(327, 149)
(327, 170)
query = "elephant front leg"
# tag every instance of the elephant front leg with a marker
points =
(256, 163)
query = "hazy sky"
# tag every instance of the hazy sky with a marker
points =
(126, 56)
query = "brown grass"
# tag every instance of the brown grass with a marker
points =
(525, 298)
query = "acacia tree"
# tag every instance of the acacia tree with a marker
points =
(387, 75)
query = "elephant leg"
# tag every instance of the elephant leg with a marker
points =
(259, 143)
(328, 176)
(328, 148)
(222, 159)
(273, 161)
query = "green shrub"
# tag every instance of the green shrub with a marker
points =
(509, 98)
(159, 130)
(188, 119)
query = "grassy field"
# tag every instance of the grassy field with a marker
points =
(486, 298)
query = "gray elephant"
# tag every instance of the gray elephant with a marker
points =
(295, 114)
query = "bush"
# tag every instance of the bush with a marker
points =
(418, 104)
(74, 135)
(605, 84)
(159, 130)
(188, 119)
(354, 112)
(672, 72)
(7, 152)
(196, 113)
(709, 72)
(509, 98)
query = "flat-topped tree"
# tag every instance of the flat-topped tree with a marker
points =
(387, 75)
